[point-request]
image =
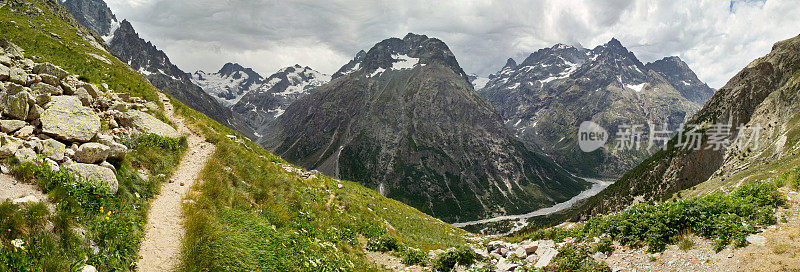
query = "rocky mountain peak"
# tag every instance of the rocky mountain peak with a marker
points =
(96, 16)
(231, 69)
(510, 63)
(399, 54)
(678, 74)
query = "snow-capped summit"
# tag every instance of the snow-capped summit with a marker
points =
(229, 84)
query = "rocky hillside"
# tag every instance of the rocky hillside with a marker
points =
(125, 44)
(403, 119)
(762, 97)
(258, 101)
(70, 123)
(545, 98)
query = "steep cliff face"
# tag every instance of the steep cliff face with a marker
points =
(763, 94)
(545, 98)
(404, 120)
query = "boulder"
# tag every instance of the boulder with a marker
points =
(19, 76)
(91, 89)
(91, 153)
(49, 69)
(53, 149)
(116, 150)
(66, 119)
(45, 88)
(530, 246)
(25, 133)
(52, 80)
(756, 239)
(88, 268)
(5, 72)
(84, 97)
(10, 126)
(17, 106)
(546, 257)
(97, 173)
(520, 252)
(25, 154)
(531, 259)
(9, 146)
(35, 112)
(147, 124)
(504, 265)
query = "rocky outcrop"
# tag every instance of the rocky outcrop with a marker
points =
(56, 117)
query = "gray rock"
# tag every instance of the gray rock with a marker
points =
(16, 105)
(546, 257)
(9, 146)
(91, 153)
(108, 165)
(10, 126)
(25, 154)
(25, 133)
(91, 89)
(52, 80)
(45, 88)
(19, 76)
(84, 96)
(53, 149)
(35, 112)
(531, 259)
(97, 173)
(148, 124)
(4, 72)
(25, 200)
(50, 69)
(88, 268)
(504, 265)
(66, 119)
(116, 150)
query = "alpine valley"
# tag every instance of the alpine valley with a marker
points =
(112, 158)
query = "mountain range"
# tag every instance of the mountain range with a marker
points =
(763, 95)
(255, 100)
(545, 98)
(403, 119)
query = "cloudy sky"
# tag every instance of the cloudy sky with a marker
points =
(716, 37)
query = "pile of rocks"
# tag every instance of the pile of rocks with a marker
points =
(48, 113)
(508, 257)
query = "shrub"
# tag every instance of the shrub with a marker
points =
(575, 258)
(383, 243)
(415, 257)
(446, 261)
(686, 244)
(605, 245)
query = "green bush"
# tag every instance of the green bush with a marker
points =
(446, 261)
(414, 257)
(605, 245)
(727, 219)
(383, 243)
(575, 258)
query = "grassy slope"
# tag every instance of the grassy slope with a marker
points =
(254, 216)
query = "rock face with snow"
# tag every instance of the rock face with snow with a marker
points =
(404, 120)
(229, 84)
(545, 98)
(124, 43)
(255, 100)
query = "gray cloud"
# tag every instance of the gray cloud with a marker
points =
(717, 38)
